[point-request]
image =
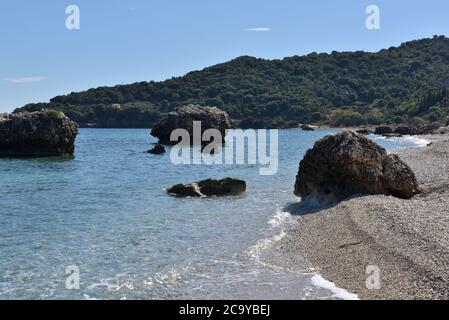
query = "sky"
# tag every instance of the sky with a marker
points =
(125, 41)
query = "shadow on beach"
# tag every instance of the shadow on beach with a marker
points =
(313, 205)
(305, 207)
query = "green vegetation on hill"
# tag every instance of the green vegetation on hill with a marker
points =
(342, 88)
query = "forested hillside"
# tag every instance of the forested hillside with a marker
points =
(341, 88)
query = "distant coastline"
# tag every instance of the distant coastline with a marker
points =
(337, 89)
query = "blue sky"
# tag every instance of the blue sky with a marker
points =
(135, 40)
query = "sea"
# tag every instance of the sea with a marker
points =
(100, 225)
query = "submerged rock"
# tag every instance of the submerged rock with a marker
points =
(183, 118)
(209, 187)
(37, 134)
(346, 164)
(158, 149)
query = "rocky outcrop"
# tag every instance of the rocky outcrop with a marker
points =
(387, 131)
(209, 187)
(183, 118)
(157, 149)
(442, 130)
(347, 164)
(429, 128)
(37, 134)
(307, 127)
(364, 131)
(405, 130)
(381, 130)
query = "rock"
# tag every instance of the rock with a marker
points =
(364, 131)
(183, 118)
(158, 149)
(307, 127)
(291, 124)
(227, 186)
(185, 190)
(383, 130)
(38, 134)
(347, 164)
(429, 128)
(405, 130)
(209, 187)
(442, 130)
(399, 180)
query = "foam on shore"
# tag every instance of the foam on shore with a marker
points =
(339, 293)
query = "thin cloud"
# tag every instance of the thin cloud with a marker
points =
(24, 80)
(259, 29)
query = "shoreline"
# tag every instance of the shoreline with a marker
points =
(405, 241)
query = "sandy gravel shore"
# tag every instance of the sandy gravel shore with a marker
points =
(408, 240)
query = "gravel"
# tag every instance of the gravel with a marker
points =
(407, 241)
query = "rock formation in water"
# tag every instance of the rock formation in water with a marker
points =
(365, 131)
(157, 149)
(403, 129)
(37, 134)
(347, 164)
(209, 187)
(183, 118)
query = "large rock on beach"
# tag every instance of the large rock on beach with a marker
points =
(405, 130)
(183, 118)
(430, 128)
(209, 187)
(381, 130)
(37, 134)
(442, 130)
(346, 164)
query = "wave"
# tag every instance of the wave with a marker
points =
(419, 142)
(416, 141)
(340, 293)
(256, 250)
(280, 218)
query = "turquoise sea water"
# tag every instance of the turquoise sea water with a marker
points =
(105, 211)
